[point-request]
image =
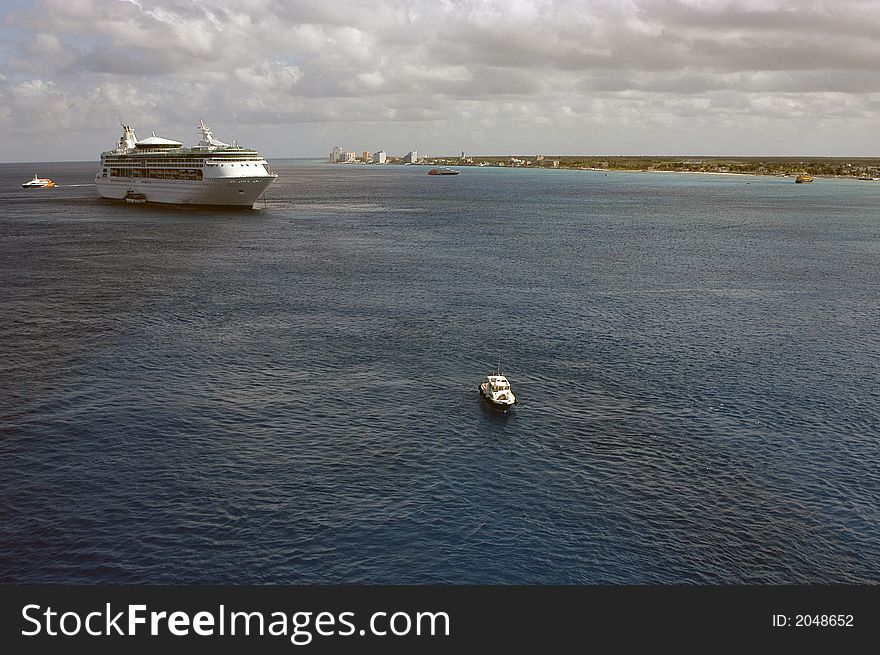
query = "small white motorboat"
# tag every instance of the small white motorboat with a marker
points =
(497, 392)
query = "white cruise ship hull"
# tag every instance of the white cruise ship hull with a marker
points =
(229, 192)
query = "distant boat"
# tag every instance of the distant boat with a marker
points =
(442, 171)
(803, 177)
(39, 183)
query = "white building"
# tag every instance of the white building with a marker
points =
(350, 157)
(411, 157)
(380, 157)
(336, 155)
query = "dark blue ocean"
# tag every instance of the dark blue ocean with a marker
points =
(289, 395)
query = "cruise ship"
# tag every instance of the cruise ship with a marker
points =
(161, 170)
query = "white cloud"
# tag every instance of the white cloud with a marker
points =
(578, 75)
(270, 77)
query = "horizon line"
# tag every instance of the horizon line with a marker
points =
(509, 154)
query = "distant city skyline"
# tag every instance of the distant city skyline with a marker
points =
(561, 77)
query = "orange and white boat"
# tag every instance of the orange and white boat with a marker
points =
(38, 183)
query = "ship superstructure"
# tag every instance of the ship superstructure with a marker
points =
(209, 173)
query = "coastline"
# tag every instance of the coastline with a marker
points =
(855, 168)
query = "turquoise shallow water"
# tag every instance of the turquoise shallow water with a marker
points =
(288, 395)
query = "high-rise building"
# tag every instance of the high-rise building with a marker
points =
(411, 157)
(380, 157)
(366, 155)
(336, 155)
(350, 157)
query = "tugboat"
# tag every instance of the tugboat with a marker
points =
(803, 177)
(443, 171)
(39, 183)
(496, 391)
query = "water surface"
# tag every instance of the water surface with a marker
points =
(289, 395)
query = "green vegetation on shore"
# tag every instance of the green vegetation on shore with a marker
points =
(820, 166)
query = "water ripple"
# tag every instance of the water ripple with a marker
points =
(289, 395)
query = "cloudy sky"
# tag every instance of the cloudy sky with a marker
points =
(296, 77)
